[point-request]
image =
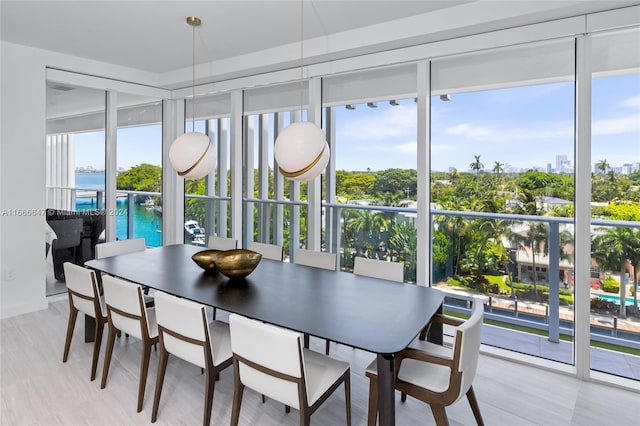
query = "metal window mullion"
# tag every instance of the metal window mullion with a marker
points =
(278, 186)
(423, 217)
(332, 222)
(223, 169)
(237, 142)
(294, 217)
(210, 182)
(314, 186)
(172, 185)
(111, 142)
(264, 216)
(249, 179)
(582, 232)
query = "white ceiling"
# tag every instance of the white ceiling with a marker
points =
(239, 38)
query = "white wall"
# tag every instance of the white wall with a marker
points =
(22, 168)
(22, 172)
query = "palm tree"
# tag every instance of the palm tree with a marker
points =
(477, 166)
(603, 166)
(611, 250)
(498, 169)
(367, 225)
(634, 258)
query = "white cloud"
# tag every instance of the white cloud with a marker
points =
(399, 121)
(633, 102)
(484, 133)
(614, 126)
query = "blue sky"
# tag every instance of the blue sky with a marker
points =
(523, 126)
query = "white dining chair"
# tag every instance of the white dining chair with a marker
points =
(84, 296)
(437, 375)
(316, 259)
(392, 271)
(127, 312)
(268, 251)
(222, 243)
(186, 332)
(272, 361)
(114, 248)
(118, 247)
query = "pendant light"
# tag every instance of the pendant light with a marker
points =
(301, 150)
(192, 154)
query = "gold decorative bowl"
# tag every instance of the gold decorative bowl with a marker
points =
(206, 259)
(237, 263)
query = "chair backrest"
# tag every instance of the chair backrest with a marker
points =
(83, 289)
(183, 326)
(68, 232)
(222, 243)
(317, 259)
(125, 305)
(268, 251)
(272, 350)
(114, 248)
(467, 342)
(392, 271)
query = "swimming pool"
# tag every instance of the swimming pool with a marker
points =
(615, 299)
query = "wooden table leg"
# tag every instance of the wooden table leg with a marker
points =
(386, 394)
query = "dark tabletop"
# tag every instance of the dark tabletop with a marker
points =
(375, 315)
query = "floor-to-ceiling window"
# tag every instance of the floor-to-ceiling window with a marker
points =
(275, 208)
(615, 204)
(75, 177)
(139, 172)
(207, 209)
(502, 188)
(371, 121)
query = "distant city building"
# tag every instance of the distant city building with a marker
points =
(563, 164)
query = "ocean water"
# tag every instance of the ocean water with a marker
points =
(147, 222)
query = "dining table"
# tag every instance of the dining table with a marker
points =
(375, 315)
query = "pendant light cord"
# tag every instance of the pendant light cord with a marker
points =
(301, 57)
(193, 83)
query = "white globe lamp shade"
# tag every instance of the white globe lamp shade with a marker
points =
(192, 155)
(301, 151)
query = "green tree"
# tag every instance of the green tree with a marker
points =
(603, 166)
(143, 177)
(403, 241)
(477, 167)
(611, 248)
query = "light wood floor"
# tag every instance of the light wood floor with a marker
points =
(38, 389)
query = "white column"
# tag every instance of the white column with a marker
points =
(582, 231)
(294, 216)
(111, 142)
(314, 187)
(236, 164)
(278, 186)
(172, 184)
(423, 220)
(249, 181)
(223, 169)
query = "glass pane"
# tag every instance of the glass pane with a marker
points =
(139, 178)
(502, 199)
(615, 230)
(207, 207)
(376, 179)
(75, 162)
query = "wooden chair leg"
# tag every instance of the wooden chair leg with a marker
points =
(327, 346)
(373, 401)
(287, 409)
(111, 338)
(96, 347)
(440, 415)
(144, 370)
(471, 396)
(162, 368)
(208, 398)
(238, 390)
(73, 315)
(403, 397)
